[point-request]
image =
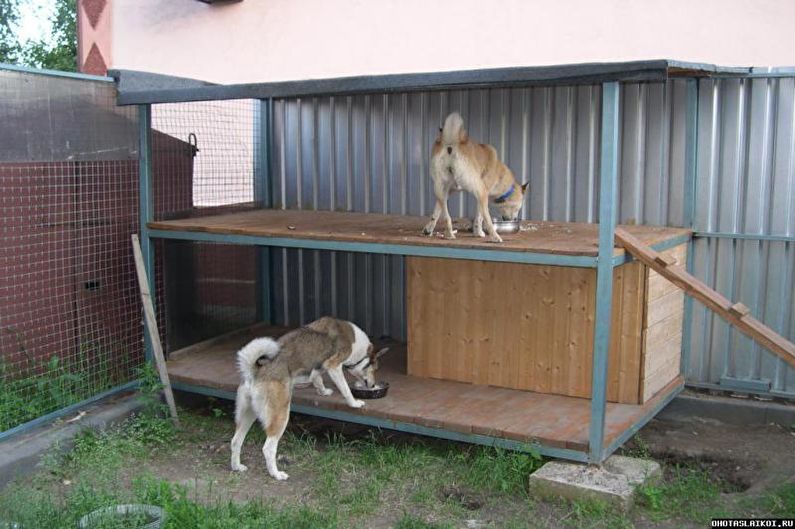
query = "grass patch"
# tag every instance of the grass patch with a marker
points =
(38, 509)
(46, 386)
(593, 514)
(410, 521)
(780, 502)
(341, 476)
(500, 470)
(637, 447)
(185, 513)
(686, 492)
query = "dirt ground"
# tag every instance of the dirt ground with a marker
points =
(368, 478)
(744, 458)
(744, 461)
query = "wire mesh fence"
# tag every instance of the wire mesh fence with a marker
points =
(207, 167)
(219, 136)
(69, 312)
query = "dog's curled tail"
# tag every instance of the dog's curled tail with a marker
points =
(453, 128)
(249, 358)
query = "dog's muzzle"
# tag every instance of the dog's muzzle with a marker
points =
(449, 150)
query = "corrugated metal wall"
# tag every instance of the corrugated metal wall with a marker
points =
(370, 153)
(745, 185)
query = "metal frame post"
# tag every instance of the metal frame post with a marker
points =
(262, 195)
(689, 210)
(608, 173)
(146, 204)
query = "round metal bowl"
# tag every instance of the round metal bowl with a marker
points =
(507, 226)
(377, 392)
(154, 516)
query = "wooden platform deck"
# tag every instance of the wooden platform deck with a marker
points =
(559, 238)
(552, 420)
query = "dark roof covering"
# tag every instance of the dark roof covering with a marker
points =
(140, 87)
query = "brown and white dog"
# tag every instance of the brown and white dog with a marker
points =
(458, 163)
(269, 369)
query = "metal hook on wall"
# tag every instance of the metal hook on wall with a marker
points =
(193, 141)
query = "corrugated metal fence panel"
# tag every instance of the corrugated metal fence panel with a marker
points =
(746, 185)
(370, 153)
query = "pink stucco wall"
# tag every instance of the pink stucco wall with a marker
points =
(264, 40)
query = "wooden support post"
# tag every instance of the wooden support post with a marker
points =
(736, 314)
(151, 326)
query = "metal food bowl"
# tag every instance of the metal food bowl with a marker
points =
(376, 392)
(507, 226)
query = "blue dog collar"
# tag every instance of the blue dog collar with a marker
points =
(502, 198)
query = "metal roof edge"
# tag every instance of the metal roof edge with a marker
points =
(136, 87)
(170, 91)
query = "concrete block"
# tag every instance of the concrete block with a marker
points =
(614, 482)
(20, 454)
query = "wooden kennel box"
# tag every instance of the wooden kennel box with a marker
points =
(531, 327)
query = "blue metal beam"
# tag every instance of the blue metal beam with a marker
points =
(262, 194)
(68, 410)
(608, 176)
(689, 207)
(641, 422)
(580, 261)
(751, 385)
(146, 201)
(392, 249)
(548, 451)
(743, 236)
(717, 387)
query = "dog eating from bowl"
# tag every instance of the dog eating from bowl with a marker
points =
(270, 368)
(460, 164)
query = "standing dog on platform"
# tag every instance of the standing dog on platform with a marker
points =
(270, 368)
(458, 163)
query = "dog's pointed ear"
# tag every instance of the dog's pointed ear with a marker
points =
(381, 352)
(524, 187)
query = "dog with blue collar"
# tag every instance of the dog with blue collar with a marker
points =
(460, 164)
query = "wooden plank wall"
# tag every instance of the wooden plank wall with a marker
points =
(531, 326)
(520, 326)
(662, 328)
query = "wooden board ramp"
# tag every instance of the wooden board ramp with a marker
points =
(736, 314)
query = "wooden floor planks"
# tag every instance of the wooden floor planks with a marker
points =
(553, 420)
(560, 238)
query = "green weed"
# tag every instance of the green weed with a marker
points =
(409, 521)
(500, 470)
(41, 387)
(688, 493)
(593, 514)
(780, 502)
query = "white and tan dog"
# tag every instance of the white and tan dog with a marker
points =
(458, 163)
(270, 368)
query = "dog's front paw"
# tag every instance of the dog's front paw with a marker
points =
(428, 229)
(239, 468)
(325, 392)
(280, 476)
(479, 232)
(356, 403)
(449, 235)
(494, 238)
